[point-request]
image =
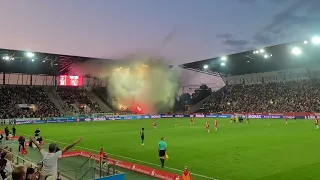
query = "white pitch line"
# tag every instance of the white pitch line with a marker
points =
(124, 157)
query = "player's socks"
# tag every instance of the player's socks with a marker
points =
(216, 129)
(162, 162)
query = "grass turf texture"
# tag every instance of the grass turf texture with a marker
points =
(265, 149)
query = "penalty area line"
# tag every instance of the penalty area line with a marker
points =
(137, 160)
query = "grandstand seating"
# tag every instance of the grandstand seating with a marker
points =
(77, 99)
(73, 97)
(11, 96)
(294, 96)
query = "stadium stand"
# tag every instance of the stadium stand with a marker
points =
(281, 78)
(13, 96)
(77, 100)
(270, 97)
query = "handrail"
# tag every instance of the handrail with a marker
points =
(85, 173)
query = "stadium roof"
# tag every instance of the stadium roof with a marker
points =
(300, 54)
(16, 61)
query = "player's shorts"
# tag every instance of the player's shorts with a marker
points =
(162, 153)
(142, 137)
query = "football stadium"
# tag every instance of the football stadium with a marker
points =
(125, 124)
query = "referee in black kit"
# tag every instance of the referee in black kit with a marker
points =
(162, 148)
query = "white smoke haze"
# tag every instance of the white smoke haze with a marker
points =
(137, 81)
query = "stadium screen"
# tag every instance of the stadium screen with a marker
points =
(65, 80)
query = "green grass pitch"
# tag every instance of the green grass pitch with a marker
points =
(265, 149)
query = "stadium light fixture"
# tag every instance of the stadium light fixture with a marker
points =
(30, 54)
(224, 58)
(248, 61)
(305, 42)
(265, 56)
(205, 66)
(223, 64)
(6, 58)
(32, 60)
(296, 51)
(315, 40)
(261, 50)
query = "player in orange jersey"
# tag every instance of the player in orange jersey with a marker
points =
(103, 157)
(191, 120)
(207, 126)
(216, 124)
(316, 123)
(286, 120)
(154, 124)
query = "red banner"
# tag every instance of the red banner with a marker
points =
(127, 165)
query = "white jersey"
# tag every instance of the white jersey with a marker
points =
(50, 163)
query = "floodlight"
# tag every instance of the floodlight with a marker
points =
(224, 58)
(6, 57)
(32, 60)
(248, 61)
(296, 51)
(266, 56)
(305, 42)
(262, 50)
(315, 40)
(30, 54)
(223, 64)
(205, 66)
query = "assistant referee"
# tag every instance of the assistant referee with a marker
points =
(162, 148)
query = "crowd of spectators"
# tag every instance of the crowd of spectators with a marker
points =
(294, 96)
(11, 171)
(76, 97)
(34, 103)
(46, 169)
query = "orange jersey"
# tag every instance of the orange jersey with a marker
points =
(191, 120)
(103, 155)
(286, 118)
(154, 124)
(316, 122)
(207, 125)
(215, 123)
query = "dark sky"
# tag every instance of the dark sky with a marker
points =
(181, 30)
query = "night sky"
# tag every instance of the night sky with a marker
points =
(180, 30)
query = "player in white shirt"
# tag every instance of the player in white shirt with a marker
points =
(50, 159)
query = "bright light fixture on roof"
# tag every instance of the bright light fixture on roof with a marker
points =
(315, 40)
(305, 42)
(224, 58)
(6, 58)
(205, 66)
(266, 56)
(30, 54)
(296, 51)
(223, 64)
(32, 60)
(262, 50)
